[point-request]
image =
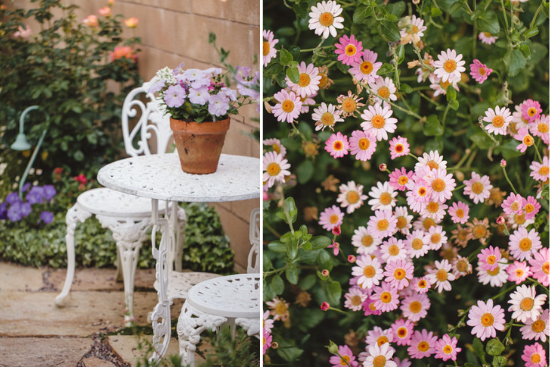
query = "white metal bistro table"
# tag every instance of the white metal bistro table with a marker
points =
(159, 177)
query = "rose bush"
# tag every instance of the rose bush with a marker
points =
(410, 143)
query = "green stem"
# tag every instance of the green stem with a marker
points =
(504, 292)
(475, 34)
(537, 283)
(337, 310)
(428, 99)
(268, 273)
(538, 153)
(459, 187)
(318, 46)
(508, 179)
(535, 16)
(505, 19)
(343, 359)
(412, 155)
(445, 117)
(471, 159)
(425, 87)
(461, 162)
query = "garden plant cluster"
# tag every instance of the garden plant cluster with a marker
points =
(409, 141)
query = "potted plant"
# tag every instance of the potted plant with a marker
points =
(199, 103)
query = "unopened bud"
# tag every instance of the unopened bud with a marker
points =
(383, 167)
(500, 220)
(325, 273)
(351, 258)
(503, 163)
(336, 231)
(325, 306)
(274, 345)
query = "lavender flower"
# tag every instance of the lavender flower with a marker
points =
(26, 209)
(231, 93)
(194, 74)
(35, 195)
(4, 210)
(218, 104)
(178, 69)
(13, 198)
(14, 212)
(203, 82)
(46, 217)
(174, 96)
(156, 86)
(199, 96)
(26, 187)
(49, 192)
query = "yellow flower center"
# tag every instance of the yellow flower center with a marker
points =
(538, 326)
(379, 361)
(414, 29)
(436, 237)
(266, 48)
(422, 191)
(273, 169)
(491, 259)
(385, 198)
(327, 119)
(417, 244)
(519, 273)
(543, 128)
(382, 340)
(479, 231)
(487, 319)
(356, 300)
(393, 250)
(520, 219)
(477, 188)
(460, 213)
(403, 180)
(338, 145)
(462, 266)
(369, 271)
(364, 143)
(498, 121)
(449, 66)
(442, 275)
(415, 306)
(402, 332)
(367, 240)
(494, 272)
(280, 309)
(546, 267)
(399, 148)
(428, 223)
(444, 85)
(525, 244)
(447, 349)
(287, 106)
(383, 224)
(349, 105)
(422, 284)
(515, 206)
(399, 274)
(344, 361)
(378, 121)
(482, 71)
(323, 81)
(527, 304)
(432, 207)
(334, 219)
(535, 358)
(351, 50)
(401, 222)
(423, 346)
(487, 34)
(385, 297)
(366, 67)
(305, 79)
(432, 164)
(277, 148)
(326, 19)
(384, 92)
(528, 140)
(438, 185)
(532, 111)
(462, 235)
(352, 197)
(544, 171)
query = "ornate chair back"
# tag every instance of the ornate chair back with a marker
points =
(253, 255)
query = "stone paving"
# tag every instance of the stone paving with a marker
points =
(35, 333)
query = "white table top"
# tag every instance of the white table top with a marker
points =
(159, 176)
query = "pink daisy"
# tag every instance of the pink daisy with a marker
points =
(540, 171)
(369, 307)
(479, 71)
(398, 273)
(518, 272)
(534, 356)
(337, 145)
(399, 147)
(530, 110)
(275, 168)
(267, 322)
(400, 178)
(540, 265)
(459, 212)
(537, 329)
(383, 196)
(382, 224)
(489, 257)
(434, 210)
(530, 207)
(437, 237)
(525, 139)
(354, 299)
(419, 194)
(477, 188)
(346, 357)
(486, 319)
(512, 204)
(331, 217)
(377, 336)
(421, 285)
(351, 196)
(440, 87)
(368, 270)
(487, 38)
(445, 348)
(525, 303)
(498, 120)
(415, 307)
(378, 121)
(524, 244)
(269, 51)
(349, 50)
(403, 220)
(365, 242)
(309, 80)
(266, 339)
(393, 250)
(362, 145)
(288, 106)
(539, 128)
(449, 66)
(422, 344)
(441, 276)
(306, 102)
(366, 68)
(402, 331)
(385, 297)
(417, 243)
(442, 185)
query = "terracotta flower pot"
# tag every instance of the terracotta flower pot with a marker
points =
(199, 145)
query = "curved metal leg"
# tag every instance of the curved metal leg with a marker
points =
(180, 239)
(74, 215)
(119, 277)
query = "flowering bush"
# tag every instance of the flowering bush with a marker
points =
(409, 140)
(16, 208)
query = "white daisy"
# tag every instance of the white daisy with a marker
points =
(417, 243)
(326, 116)
(411, 29)
(275, 168)
(403, 219)
(434, 210)
(378, 121)
(525, 304)
(495, 278)
(437, 237)
(354, 299)
(383, 88)
(538, 328)
(382, 223)
(365, 242)
(351, 196)
(276, 145)
(383, 196)
(308, 85)
(325, 19)
(441, 276)
(439, 86)
(369, 270)
(449, 66)
(432, 160)
(498, 120)
(393, 249)
(380, 356)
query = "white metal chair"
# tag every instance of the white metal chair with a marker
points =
(127, 216)
(233, 299)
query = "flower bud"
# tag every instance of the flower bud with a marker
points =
(503, 163)
(500, 220)
(336, 231)
(274, 345)
(383, 167)
(351, 258)
(325, 306)
(325, 273)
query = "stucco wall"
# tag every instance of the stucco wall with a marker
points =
(173, 31)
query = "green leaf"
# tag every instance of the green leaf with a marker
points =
(307, 246)
(494, 347)
(277, 246)
(308, 282)
(538, 52)
(301, 10)
(385, 69)
(478, 349)
(516, 61)
(525, 51)
(289, 354)
(304, 171)
(277, 284)
(482, 140)
(362, 12)
(531, 32)
(545, 6)
(292, 249)
(320, 242)
(334, 292)
(389, 30)
(267, 265)
(405, 88)
(451, 94)
(292, 274)
(292, 210)
(499, 361)
(286, 57)
(488, 22)
(397, 8)
(455, 7)
(285, 32)
(325, 260)
(545, 193)
(293, 74)
(78, 156)
(454, 104)
(435, 12)
(509, 149)
(432, 127)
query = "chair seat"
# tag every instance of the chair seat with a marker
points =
(179, 283)
(228, 296)
(107, 202)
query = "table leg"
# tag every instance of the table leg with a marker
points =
(161, 313)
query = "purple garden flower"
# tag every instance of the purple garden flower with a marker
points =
(178, 69)
(35, 195)
(26, 187)
(174, 96)
(14, 212)
(26, 209)
(157, 86)
(46, 217)
(199, 96)
(218, 104)
(13, 198)
(4, 210)
(49, 192)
